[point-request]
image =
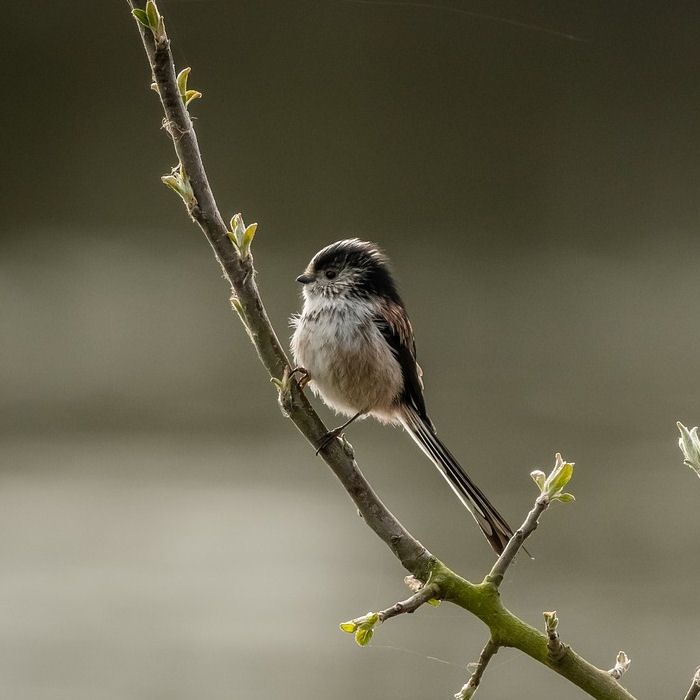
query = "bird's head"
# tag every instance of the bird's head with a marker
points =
(349, 269)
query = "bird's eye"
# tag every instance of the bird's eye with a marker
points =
(330, 274)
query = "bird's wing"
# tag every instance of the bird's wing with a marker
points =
(394, 325)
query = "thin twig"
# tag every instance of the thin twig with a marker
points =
(411, 604)
(516, 541)
(487, 653)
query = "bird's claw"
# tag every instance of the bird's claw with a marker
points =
(304, 377)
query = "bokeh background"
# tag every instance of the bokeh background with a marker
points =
(165, 532)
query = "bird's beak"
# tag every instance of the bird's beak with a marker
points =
(305, 278)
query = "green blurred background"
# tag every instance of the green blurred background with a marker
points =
(166, 534)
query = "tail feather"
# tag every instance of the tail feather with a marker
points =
(492, 524)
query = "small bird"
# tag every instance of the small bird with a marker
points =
(354, 345)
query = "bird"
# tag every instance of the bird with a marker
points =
(354, 346)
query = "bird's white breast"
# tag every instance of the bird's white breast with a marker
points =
(350, 364)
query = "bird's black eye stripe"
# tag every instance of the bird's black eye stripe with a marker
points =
(330, 274)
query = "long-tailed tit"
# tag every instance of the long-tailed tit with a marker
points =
(354, 342)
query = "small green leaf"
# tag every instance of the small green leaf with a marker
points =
(565, 497)
(246, 239)
(182, 81)
(153, 15)
(141, 16)
(560, 478)
(191, 95)
(350, 627)
(364, 635)
(434, 602)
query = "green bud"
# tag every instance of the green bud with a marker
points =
(180, 183)
(362, 627)
(552, 486)
(241, 235)
(434, 602)
(141, 17)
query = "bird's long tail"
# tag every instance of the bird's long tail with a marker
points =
(492, 524)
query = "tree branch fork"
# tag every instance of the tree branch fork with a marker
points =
(430, 580)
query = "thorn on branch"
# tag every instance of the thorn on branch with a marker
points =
(487, 653)
(622, 663)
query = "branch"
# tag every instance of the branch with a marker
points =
(487, 653)
(232, 250)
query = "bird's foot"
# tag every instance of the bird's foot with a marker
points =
(304, 377)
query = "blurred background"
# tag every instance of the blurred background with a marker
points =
(166, 533)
